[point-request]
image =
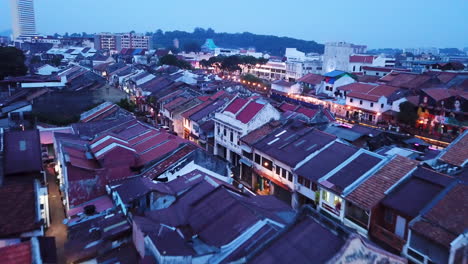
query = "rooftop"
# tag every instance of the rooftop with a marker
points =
(446, 218)
(22, 152)
(412, 195)
(292, 142)
(18, 216)
(370, 192)
(325, 161)
(457, 152)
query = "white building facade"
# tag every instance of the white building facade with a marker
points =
(24, 20)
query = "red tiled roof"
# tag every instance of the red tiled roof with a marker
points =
(287, 107)
(457, 152)
(195, 109)
(368, 97)
(383, 69)
(174, 103)
(447, 218)
(311, 78)
(307, 111)
(361, 59)
(17, 254)
(374, 92)
(413, 99)
(357, 87)
(160, 167)
(371, 191)
(249, 112)
(17, 207)
(236, 105)
(368, 78)
(443, 93)
(260, 132)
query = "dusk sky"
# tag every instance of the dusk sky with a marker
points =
(397, 23)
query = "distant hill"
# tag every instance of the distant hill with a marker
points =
(263, 43)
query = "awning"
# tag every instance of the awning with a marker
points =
(246, 162)
(275, 181)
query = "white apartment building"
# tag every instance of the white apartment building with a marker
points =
(237, 119)
(105, 41)
(336, 55)
(24, 21)
(133, 41)
(357, 62)
(368, 102)
(118, 42)
(272, 70)
(299, 64)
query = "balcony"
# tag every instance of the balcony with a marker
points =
(388, 237)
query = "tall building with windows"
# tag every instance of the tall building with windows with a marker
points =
(24, 21)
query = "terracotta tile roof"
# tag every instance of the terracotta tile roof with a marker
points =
(373, 93)
(17, 254)
(443, 93)
(236, 105)
(357, 87)
(195, 109)
(361, 59)
(249, 112)
(311, 78)
(310, 113)
(287, 107)
(260, 132)
(155, 170)
(18, 215)
(447, 219)
(368, 78)
(384, 69)
(370, 192)
(457, 152)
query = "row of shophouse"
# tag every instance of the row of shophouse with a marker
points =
(439, 97)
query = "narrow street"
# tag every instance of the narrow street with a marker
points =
(57, 229)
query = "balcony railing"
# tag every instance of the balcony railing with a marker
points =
(387, 237)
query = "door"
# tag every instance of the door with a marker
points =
(400, 226)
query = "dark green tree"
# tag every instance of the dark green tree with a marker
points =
(174, 61)
(56, 60)
(127, 105)
(408, 114)
(12, 62)
(192, 47)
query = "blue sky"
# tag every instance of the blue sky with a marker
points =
(377, 23)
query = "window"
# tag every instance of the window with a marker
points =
(232, 136)
(278, 170)
(266, 163)
(300, 180)
(325, 196)
(388, 216)
(350, 100)
(290, 177)
(360, 102)
(314, 187)
(415, 255)
(354, 68)
(257, 158)
(371, 104)
(307, 183)
(283, 173)
(224, 132)
(377, 73)
(381, 105)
